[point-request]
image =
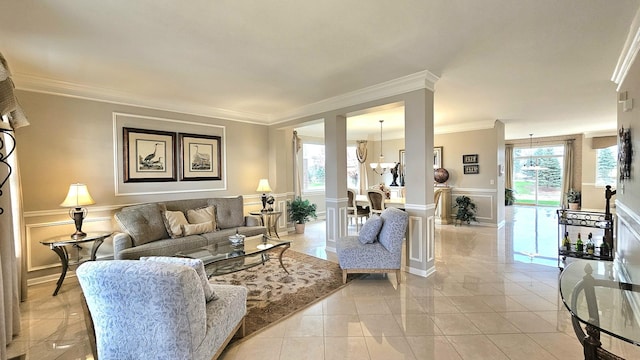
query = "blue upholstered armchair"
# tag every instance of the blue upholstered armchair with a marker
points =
(381, 256)
(155, 310)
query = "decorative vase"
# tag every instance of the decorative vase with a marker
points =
(440, 175)
(299, 228)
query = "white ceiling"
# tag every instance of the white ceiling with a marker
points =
(542, 67)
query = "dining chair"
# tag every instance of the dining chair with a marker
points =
(376, 201)
(354, 211)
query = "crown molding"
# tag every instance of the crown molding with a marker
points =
(420, 80)
(73, 90)
(466, 126)
(629, 52)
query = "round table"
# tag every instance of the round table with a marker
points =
(59, 245)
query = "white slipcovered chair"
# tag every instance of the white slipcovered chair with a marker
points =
(154, 310)
(381, 256)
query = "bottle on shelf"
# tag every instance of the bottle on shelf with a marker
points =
(579, 244)
(566, 243)
(604, 249)
(591, 247)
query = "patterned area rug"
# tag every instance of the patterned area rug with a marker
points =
(274, 295)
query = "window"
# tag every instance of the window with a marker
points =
(353, 168)
(606, 166)
(313, 167)
(537, 175)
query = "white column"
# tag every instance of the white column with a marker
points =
(335, 141)
(419, 182)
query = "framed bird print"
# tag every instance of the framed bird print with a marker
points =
(200, 157)
(149, 155)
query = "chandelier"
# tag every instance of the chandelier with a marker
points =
(532, 165)
(381, 167)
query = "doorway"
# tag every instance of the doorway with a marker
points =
(538, 175)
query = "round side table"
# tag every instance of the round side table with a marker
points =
(59, 245)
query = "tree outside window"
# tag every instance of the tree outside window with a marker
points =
(606, 166)
(313, 160)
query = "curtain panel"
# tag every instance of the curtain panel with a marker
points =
(508, 167)
(297, 182)
(361, 154)
(11, 225)
(567, 183)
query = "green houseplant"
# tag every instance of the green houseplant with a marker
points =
(573, 198)
(466, 209)
(300, 211)
(509, 197)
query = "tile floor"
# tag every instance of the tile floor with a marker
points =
(481, 304)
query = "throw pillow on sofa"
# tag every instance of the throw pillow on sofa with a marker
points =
(174, 221)
(370, 229)
(202, 215)
(196, 264)
(197, 229)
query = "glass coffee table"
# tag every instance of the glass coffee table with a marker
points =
(224, 258)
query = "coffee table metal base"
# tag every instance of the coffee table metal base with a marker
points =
(224, 259)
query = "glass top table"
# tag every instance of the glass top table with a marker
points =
(224, 258)
(604, 296)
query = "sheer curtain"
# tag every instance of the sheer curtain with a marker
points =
(361, 154)
(11, 266)
(508, 167)
(297, 182)
(567, 176)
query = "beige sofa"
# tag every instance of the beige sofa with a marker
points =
(144, 232)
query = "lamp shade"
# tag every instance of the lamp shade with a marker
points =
(78, 196)
(263, 186)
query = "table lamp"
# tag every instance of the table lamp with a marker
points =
(263, 186)
(77, 197)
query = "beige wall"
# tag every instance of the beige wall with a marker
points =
(72, 140)
(482, 187)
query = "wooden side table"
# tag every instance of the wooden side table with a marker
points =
(59, 245)
(269, 220)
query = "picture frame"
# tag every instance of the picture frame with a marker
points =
(200, 157)
(470, 159)
(437, 157)
(148, 155)
(471, 169)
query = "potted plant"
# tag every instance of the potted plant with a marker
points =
(509, 197)
(573, 198)
(466, 209)
(300, 211)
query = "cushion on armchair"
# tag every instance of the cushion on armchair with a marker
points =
(370, 229)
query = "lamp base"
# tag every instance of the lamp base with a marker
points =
(78, 235)
(78, 214)
(264, 202)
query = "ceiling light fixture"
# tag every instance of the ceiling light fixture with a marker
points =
(381, 167)
(532, 165)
